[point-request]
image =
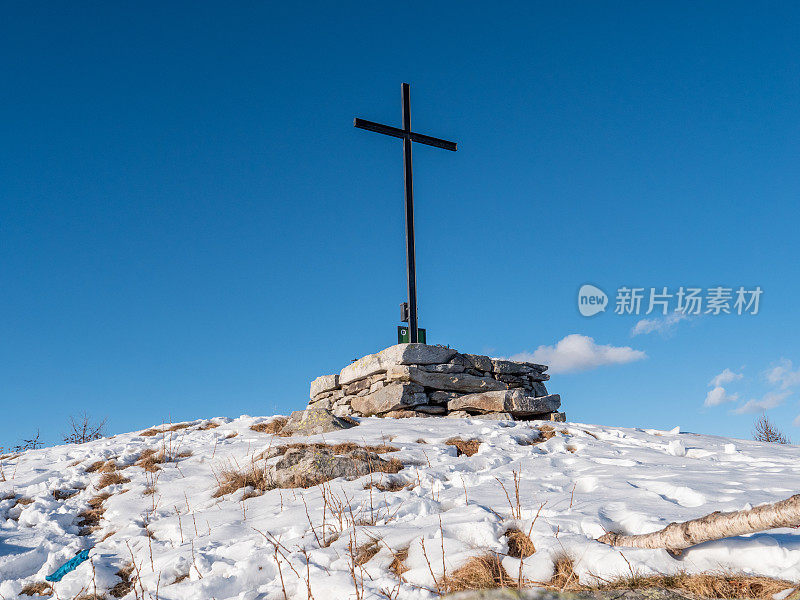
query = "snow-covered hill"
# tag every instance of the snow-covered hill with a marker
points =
(187, 544)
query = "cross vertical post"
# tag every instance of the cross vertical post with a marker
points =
(411, 260)
(408, 136)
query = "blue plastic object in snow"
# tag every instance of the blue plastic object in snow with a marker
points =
(69, 566)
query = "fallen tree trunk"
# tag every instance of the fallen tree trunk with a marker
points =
(677, 536)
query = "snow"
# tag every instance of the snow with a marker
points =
(583, 481)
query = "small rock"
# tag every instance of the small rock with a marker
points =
(313, 421)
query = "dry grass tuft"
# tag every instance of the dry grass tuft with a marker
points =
(205, 427)
(390, 485)
(232, 479)
(150, 432)
(706, 585)
(64, 494)
(40, 588)
(398, 564)
(363, 554)
(273, 426)
(519, 544)
(123, 587)
(112, 478)
(546, 432)
(95, 466)
(572, 449)
(479, 573)
(98, 500)
(178, 427)
(467, 447)
(180, 578)
(150, 459)
(24, 501)
(421, 441)
(564, 575)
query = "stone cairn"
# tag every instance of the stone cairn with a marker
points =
(418, 380)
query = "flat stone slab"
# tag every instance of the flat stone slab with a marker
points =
(395, 396)
(454, 382)
(515, 401)
(324, 383)
(400, 354)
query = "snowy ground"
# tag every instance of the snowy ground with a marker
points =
(589, 479)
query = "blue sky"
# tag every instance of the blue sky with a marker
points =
(192, 227)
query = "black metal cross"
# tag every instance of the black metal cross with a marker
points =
(408, 136)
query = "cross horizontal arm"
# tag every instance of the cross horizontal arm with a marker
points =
(399, 133)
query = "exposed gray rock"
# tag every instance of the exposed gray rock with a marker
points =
(496, 416)
(507, 367)
(312, 465)
(401, 354)
(476, 361)
(405, 414)
(324, 403)
(456, 382)
(445, 368)
(395, 396)
(439, 397)
(517, 402)
(458, 414)
(314, 420)
(558, 417)
(324, 383)
(538, 388)
(431, 409)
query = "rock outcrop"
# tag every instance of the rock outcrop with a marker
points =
(418, 380)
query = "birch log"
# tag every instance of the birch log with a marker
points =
(677, 536)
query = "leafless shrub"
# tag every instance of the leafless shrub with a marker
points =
(32, 444)
(516, 504)
(467, 447)
(765, 430)
(84, 429)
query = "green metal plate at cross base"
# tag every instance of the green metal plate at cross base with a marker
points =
(404, 335)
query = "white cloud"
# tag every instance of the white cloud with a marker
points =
(727, 376)
(663, 325)
(580, 353)
(769, 400)
(782, 374)
(719, 396)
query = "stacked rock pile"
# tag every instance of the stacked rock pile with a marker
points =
(418, 380)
